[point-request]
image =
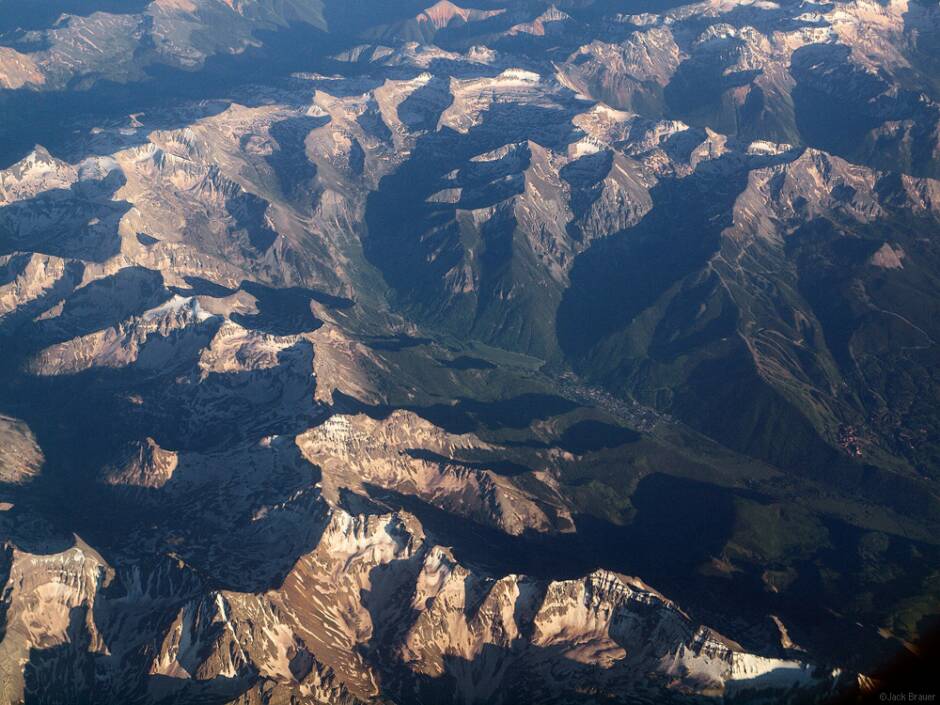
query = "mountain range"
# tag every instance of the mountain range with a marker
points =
(361, 351)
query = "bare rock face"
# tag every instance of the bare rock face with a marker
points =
(375, 606)
(629, 76)
(37, 172)
(50, 599)
(234, 349)
(147, 465)
(152, 340)
(444, 12)
(18, 70)
(517, 635)
(481, 635)
(30, 278)
(813, 185)
(407, 454)
(20, 456)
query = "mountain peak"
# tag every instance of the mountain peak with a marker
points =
(443, 13)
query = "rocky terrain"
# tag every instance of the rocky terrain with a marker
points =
(496, 352)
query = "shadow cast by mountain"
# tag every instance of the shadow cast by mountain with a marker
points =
(285, 311)
(655, 544)
(422, 109)
(25, 313)
(506, 468)
(294, 171)
(199, 286)
(167, 98)
(838, 105)
(463, 363)
(69, 674)
(101, 304)
(420, 268)
(85, 421)
(78, 222)
(591, 435)
(620, 276)
(466, 415)
(396, 343)
(24, 527)
(240, 517)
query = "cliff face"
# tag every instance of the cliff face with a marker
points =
(375, 609)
